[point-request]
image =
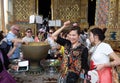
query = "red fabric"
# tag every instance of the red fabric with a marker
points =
(105, 75)
(92, 66)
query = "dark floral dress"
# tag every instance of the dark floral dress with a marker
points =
(74, 60)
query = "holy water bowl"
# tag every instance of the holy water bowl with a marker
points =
(35, 52)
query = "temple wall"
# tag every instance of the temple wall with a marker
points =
(74, 10)
(108, 14)
(22, 9)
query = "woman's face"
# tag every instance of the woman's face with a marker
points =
(91, 37)
(29, 33)
(73, 36)
(50, 32)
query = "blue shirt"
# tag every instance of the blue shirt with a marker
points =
(10, 36)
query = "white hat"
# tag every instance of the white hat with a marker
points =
(42, 30)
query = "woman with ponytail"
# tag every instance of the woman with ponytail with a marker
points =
(101, 53)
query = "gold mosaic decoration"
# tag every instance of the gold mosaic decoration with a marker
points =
(73, 10)
(112, 11)
(119, 14)
(114, 19)
(23, 9)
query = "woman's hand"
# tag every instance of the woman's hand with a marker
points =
(14, 67)
(99, 67)
(67, 24)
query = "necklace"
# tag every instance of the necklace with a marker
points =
(95, 48)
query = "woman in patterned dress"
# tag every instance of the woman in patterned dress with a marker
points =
(75, 58)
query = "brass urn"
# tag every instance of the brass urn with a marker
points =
(35, 52)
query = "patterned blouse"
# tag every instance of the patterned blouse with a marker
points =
(74, 59)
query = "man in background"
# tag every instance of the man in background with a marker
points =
(12, 38)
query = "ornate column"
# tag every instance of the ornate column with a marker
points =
(108, 14)
(102, 8)
(119, 13)
(112, 13)
(118, 25)
(2, 23)
(114, 19)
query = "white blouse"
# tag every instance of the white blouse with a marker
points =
(28, 39)
(100, 53)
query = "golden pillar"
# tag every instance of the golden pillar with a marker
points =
(52, 8)
(2, 15)
(114, 19)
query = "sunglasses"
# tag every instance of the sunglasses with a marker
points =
(17, 30)
(50, 32)
(29, 31)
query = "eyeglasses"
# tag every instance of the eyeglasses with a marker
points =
(41, 32)
(50, 32)
(16, 30)
(29, 31)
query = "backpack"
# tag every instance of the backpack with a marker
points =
(5, 47)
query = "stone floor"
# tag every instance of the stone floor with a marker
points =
(42, 78)
(35, 78)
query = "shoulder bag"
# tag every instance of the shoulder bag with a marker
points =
(5, 77)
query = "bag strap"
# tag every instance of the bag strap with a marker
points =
(1, 57)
